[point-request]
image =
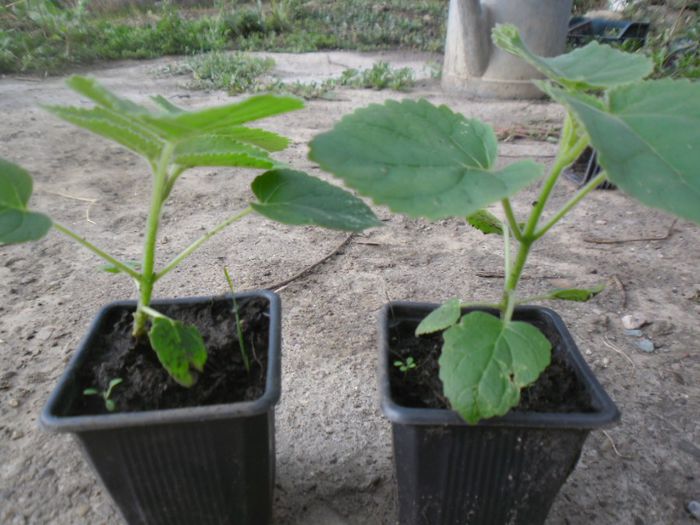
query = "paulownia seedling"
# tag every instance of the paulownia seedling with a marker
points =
(405, 365)
(173, 140)
(427, 161)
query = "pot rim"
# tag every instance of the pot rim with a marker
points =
(52, 420)
(605, 411)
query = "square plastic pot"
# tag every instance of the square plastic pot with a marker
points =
(504, 470)
(199, 465)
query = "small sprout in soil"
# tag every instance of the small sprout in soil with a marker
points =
(105, 394)
(239, 328)
(406, 365)
(430, 162)
(173, 140)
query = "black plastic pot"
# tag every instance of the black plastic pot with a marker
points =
(200, 465)
(505, 470)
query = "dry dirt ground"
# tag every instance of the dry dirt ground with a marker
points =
(334, 450)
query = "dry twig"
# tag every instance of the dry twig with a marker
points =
(600, 240)
(616, 349)
(500, 275)
(610, 439)
(90, 202)
(278, 286)
(623, 293)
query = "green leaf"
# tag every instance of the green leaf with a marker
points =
(90, 88)
(293, 197)
(110, 268)
(217, 150)
(419, 159)
(90, 392)
(257, 137)
(577, 294)
(486, 222)
(485, 363)
(441, 318)
(17, 223)
(180, 348)
(648, 141)
(166, 105)
(112, 125)
(593, 66)
(220, 119)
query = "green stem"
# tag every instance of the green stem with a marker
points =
(118, 264)
(590, 186)
(149, 245)
(512, 221)
(152, 313)
(196, 244)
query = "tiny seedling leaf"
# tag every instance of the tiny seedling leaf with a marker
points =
(577, 294)
(293, 197)
(180, 348)
(593, 66)
(420, 159)
(90, 392)
(441, 318)
(17, 223)
(111, 268)
(648, 141)
(485, 362)
(486, 222)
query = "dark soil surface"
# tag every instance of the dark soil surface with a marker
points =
(147, 386)
(557, 390)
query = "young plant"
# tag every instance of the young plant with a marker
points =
(173, 140)
(427, 161)
(105, 394)
(404, 366)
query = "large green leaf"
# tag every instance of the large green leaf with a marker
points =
(17, 223)
(180, 348)
(217, 150)
(111, 124)
(648, 141)
(419, 159)
(485, 363)
(90, 88)
(222, 118)
(593, 66)
(292, 197)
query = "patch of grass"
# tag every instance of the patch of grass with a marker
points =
(49, 36)
(233, 72)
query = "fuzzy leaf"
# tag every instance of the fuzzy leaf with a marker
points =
(90, 88)
(648, 141)
(293, 197)
(215, 150)
(486, 222)
(441, 318)
(17, 223)
(112, 125)
(577, 294)
(180, 348)
(593, 66)
(220, 119)
(256, 137)
(485, 363)
(419, 159)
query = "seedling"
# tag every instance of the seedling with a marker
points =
(406, 365)
(239, 328)
(173, 140)
(105, 394)
(427, 161)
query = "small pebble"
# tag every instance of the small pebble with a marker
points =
(13, 403)
(694, 509)
(645, 345)
(634, 333)
(633, 321)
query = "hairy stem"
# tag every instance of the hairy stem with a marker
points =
(149, 245)
(97, 251)
(196, 244)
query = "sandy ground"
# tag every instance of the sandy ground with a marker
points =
(334, 450)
